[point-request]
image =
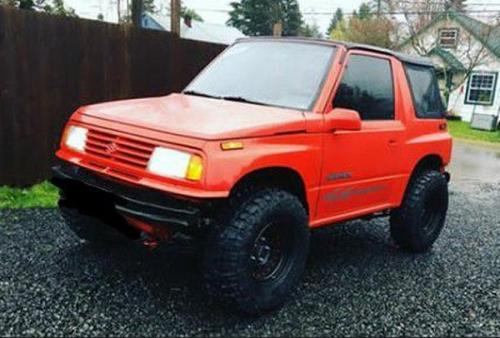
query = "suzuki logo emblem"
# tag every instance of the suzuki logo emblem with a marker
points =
(111, 148)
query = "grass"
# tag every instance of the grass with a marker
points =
(460, 129)
(43, 195)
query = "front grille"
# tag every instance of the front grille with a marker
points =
(119, 149)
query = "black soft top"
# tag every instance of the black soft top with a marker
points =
(406, 58)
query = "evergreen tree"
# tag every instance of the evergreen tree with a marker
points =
(148, 6)
(456, 4)
(257, 17)
(52, 6)
(311, 31)
(337, 17)
(190, 13)
(364, 12)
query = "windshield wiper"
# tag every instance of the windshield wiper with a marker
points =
(225, 98)
(242, 99)
(195, 93)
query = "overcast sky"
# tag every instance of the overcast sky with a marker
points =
(215, 11)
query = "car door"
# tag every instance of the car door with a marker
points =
(361, 168)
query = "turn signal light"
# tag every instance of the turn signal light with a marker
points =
(231, 145)
(195, 168)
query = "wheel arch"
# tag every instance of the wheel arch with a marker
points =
(281, 177)
(428, 162)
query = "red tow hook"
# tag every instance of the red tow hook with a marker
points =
(151, 235)
(151, 243)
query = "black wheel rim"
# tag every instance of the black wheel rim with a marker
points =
(270, 252)
(433, 212)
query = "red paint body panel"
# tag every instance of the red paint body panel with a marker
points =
(377, 161)
(201, 118)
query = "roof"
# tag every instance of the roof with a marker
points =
(449, 58)
(407, 58)
(200, 31)
(487, 34)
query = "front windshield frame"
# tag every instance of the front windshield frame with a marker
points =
(321, 86)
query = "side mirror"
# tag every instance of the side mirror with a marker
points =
(343, 119)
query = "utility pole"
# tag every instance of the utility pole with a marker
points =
(278, 24)
(379, 8)
(278, 29)
(137, 7)
(175, 17)
(119, 12)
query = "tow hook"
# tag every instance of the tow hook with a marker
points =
(150, 242)
(151, 235)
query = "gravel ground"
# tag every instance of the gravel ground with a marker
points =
(356, 282)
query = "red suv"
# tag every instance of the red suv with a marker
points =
(274, 138)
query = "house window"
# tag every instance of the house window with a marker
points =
(481, 88)
(448, 37)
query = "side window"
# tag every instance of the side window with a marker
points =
(425, 89)
(367, 87)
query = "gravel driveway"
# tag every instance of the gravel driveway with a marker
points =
(356, 283)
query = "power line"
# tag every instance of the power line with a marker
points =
(396, 12)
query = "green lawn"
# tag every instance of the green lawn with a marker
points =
(43, 195)
(463, 130)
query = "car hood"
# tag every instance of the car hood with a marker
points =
(199, 117)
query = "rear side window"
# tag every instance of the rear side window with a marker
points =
(425, 89)
(367, 88)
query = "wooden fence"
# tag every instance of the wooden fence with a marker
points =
(51, 65)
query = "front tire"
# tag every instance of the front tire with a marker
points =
(257, 257)
(416, 225)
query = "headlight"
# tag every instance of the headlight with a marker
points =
(75, 138)
(174, 163)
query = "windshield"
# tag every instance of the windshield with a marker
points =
(283, 74)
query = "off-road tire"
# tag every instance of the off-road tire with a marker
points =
(91, 229)
(416, 225)
(229, 266)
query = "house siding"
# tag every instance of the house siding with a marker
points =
(466, 43)
(457, 100)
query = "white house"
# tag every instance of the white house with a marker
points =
(466, 52)
(194, 30)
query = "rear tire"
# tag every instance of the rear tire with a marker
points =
(416, 225)
(257, 257)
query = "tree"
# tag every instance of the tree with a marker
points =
(456, 4)
(470, 52)
(190, 13)
(149, 6)
(337, 17)
(364, 12)
(136, 12)
(59, 9)
(365, 27)
(54, 6)
(311, 31)
(374, 31)
(258, 17)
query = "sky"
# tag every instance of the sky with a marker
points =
(215, 11)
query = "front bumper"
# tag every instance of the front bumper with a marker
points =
(97, 196)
